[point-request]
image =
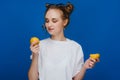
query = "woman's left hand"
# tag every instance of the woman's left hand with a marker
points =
(90, 63)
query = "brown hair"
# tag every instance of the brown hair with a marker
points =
(66, 9)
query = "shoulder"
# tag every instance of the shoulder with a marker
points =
(74, 43)
(44, 41)
(76, 47)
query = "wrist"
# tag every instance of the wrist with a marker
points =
(84, 68)
(34, 55)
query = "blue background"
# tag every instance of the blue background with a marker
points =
(95, 24)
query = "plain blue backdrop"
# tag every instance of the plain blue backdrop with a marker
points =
(95, 24)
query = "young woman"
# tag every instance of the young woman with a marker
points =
(57, 57)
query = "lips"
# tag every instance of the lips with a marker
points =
(50, 29)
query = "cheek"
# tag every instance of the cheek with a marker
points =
(60, 24)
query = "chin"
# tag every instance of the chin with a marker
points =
(51, 33)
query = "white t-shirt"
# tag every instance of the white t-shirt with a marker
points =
(59, 60)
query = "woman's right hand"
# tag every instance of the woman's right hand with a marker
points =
(34, 48)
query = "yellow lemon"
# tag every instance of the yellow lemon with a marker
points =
(34, 39)
(95, 56)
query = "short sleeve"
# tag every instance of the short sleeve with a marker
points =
(79, 61)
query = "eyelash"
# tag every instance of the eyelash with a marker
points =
(55, 21)
(46, 21)
(52, 21)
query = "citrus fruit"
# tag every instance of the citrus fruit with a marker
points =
(35, 40)
(95, 56)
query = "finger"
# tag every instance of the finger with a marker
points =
(91, 64)
(37, 49)
(32, 47)
(93, 60)
(36, 46)
(34, 43)
(97, 60)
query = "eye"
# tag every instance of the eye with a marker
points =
(54, 20)
(46, 20)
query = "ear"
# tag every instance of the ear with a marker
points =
(65, 22)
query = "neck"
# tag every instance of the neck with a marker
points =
(58, 37)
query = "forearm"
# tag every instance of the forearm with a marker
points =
(33, 71)
(81, 74)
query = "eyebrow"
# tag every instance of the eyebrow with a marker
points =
(52, 18)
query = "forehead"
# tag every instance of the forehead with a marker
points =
(53, 13)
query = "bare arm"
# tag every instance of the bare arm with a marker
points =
(33, 71)
(88, 64)
(80, 75)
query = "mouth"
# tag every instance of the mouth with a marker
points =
(50, 29)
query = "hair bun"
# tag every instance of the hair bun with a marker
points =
(69, 8)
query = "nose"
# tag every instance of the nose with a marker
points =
(49, 24)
